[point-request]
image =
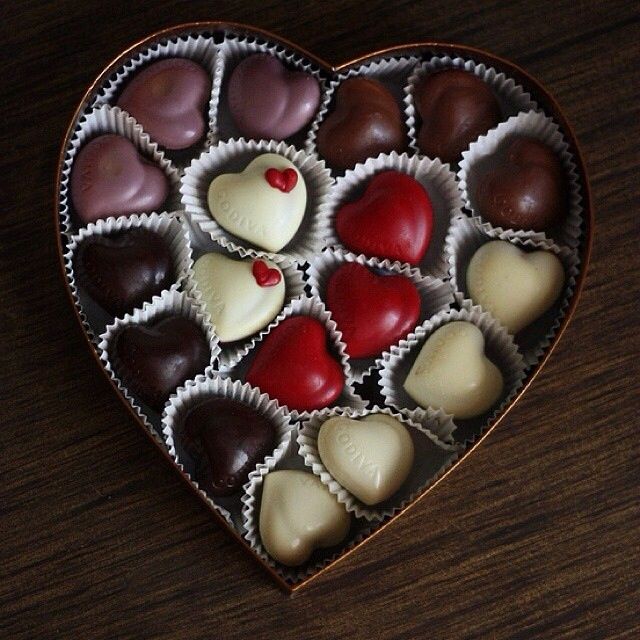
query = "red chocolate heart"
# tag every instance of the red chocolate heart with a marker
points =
(284, 180)
(153, 360)
(169, 98)
(294, 366)
(372, 311)
(109, 178)
(393, 219)
(525, 189)
(264, 275)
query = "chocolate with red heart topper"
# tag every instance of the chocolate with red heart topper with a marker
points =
(372, 311)
(169, 99)
(268, 101)
(110, 178)
(294, 366)
(392, 219)
(365, 122)
(525, 188)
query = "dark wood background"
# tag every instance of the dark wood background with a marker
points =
(537, 535)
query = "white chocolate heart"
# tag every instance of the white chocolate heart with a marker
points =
(452, 372)
(298, 515)
(514, 286)
(238, 305)
(370, 457)
(246, 205)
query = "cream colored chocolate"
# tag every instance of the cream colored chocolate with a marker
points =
(370, 457)
(238, 305)
(246, 205)
(514, 286)
(453, 373)
(299, 515)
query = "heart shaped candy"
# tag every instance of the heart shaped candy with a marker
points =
(153, 360)
(299, 515)
(239, 301)
(525, 189)
(393, 219)
(248, 206)
(122, 270)
(294, 366)
(234, 438)
(109, 178)
(372, 311)
(453, 373)
(370, 457)
(168, 98)
(268, 101)
(516, 287)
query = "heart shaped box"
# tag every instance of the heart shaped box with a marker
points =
(200, 41)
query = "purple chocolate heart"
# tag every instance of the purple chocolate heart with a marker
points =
(168, 99)
(109, 178)
(268, 101)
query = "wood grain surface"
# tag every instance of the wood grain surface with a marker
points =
(537, 535)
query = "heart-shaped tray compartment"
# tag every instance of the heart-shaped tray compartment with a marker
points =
(401, 61)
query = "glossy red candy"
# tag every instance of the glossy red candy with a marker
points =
(393, 219)
(372, 311)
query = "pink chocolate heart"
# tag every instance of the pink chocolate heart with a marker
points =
(268, 101)
(168, 99)
(109, 178)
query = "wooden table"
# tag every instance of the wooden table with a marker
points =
(537, 535)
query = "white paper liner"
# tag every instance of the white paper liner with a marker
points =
(467, 235)
(511, 97)
(167, 304)
(541, 127)
(199, 49)
(391, 72)
(232, 352)
(314, 308)
(435, 295)
(167, 225)
(432, 458)
(499, 348)
(438, 180)
(192, 394)
(232, 157)
(100, 121)
(235, 48)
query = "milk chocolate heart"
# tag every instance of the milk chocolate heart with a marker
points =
(169, 99)
(249, 206)
(268, 101)
(228, 439)
(516, 287)
(153, 360)
(109, 178)
(365, 122)
(370, 457)
(299, 515)
(372, 311)
(122, 270)
(526, 189)
(393, 219)
(293, 365)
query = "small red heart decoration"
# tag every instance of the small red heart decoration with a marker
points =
(284, 180)
(372, 311)
(393, 219)
(264, 275)
(294, 366)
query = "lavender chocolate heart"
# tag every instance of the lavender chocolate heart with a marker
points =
(110, 178)
(169, 98)
(268, 101)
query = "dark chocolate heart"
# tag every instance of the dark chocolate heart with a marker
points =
(152, 361)
(227, 439)
(124, 269)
